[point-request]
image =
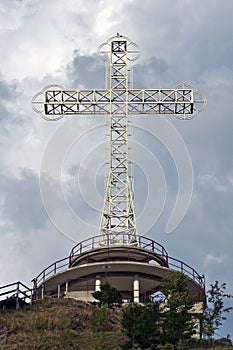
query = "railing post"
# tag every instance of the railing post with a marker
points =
(55, 268)
(17, 296)
(34, 289)
(31, 297)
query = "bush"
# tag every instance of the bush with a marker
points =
(141, 324)
(99, 319)
(108, 295)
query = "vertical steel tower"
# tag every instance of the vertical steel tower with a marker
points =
(118, 215)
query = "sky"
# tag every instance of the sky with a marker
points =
(51, 175)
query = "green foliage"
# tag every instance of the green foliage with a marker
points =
(165, 347)
(99, 319)
(108, 295)
(71, 333)
(63, 322)
(141, 324)
(59, 324)
(215, 310)
(162, 324)
(174, 284)
(176, 319)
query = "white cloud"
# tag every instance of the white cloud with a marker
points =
(49, 42)
(211, 259)
(211, 181)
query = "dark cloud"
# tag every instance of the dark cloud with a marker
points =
(22, 204)
(182, 42)
(27, 235)
(86, 71)
(153, 73)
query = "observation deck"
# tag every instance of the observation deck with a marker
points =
(135, 270)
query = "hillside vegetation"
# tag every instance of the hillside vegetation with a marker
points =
(57, 324)
(61, 324)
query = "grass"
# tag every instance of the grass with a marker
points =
(61, 324)
(58, 324)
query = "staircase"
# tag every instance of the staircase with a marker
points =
(15, 296)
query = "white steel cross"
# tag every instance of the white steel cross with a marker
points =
(118, 100)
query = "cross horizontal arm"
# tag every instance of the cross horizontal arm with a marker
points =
(179, 101)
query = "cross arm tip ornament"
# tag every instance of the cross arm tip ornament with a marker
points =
(54, 102)
(38, 102)
(199, 102)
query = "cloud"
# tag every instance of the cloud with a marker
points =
(21, 204)
(211, 259)
(54, 42)
(27, 237)
(86, 71)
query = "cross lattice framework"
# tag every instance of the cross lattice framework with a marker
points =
(118, 100)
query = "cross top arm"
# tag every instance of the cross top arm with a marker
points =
(119, 96)
(55, 102)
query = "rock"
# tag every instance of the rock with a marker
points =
(3, 334)
(223, 342)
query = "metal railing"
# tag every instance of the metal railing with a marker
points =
(142, 242)
(187, 270)
(96, 242)
(53, 269)
(17, 292)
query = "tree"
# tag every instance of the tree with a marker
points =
(214, 312)
(99, 319)
(141, 324)
(108, 295)
(177, 323)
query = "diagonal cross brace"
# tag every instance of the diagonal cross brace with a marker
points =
(58, 103)
(119, 100)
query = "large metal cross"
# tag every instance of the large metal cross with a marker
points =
(118, 100)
